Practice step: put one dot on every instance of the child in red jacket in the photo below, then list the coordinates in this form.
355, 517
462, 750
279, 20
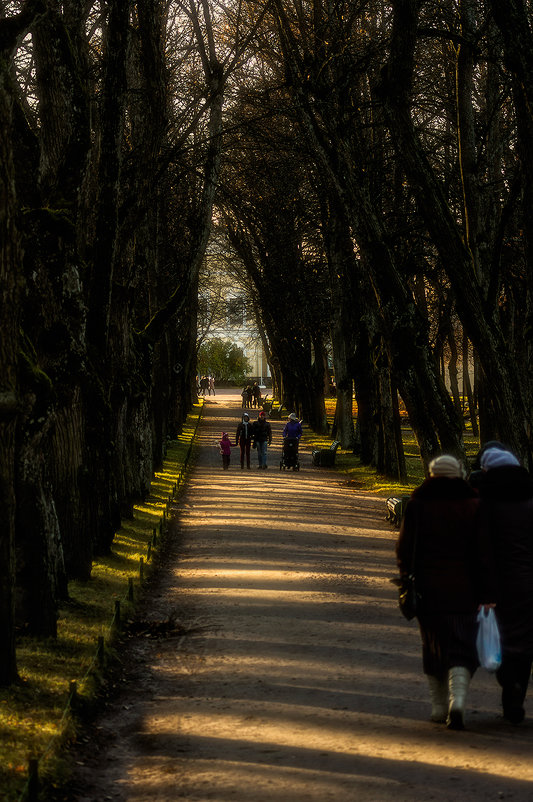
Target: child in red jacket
225, 450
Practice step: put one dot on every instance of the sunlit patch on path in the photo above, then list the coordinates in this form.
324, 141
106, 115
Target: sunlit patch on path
298, 680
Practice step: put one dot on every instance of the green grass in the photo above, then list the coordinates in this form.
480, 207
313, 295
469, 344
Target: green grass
364, 477
34, 715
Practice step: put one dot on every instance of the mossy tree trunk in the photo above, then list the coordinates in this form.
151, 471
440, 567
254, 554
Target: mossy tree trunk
55, 324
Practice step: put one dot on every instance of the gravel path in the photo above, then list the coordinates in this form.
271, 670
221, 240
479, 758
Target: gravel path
292, 675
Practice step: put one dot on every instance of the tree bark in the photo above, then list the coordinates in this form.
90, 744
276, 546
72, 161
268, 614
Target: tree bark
10, 288
342, 327
115, 45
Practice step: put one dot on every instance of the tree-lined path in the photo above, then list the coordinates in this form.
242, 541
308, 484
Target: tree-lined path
291, 674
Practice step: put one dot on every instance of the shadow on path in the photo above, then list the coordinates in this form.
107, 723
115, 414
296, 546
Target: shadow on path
299, 679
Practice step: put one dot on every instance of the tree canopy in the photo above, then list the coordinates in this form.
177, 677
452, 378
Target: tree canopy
223, 360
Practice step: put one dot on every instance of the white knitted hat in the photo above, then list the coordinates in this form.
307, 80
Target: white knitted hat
446, 465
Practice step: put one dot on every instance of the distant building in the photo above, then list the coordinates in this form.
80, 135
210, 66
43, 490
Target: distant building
233, 323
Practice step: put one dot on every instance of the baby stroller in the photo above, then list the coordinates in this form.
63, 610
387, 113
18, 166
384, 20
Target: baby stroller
289, 455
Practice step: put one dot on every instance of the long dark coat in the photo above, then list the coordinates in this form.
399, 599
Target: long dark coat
450, 568
507, 505
244, 433
262, 431
450, 550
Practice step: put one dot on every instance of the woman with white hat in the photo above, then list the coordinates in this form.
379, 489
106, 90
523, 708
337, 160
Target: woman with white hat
440, 528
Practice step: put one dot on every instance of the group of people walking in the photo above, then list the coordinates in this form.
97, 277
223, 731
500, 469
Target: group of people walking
256, 435
469, 544
205, 384
251, 396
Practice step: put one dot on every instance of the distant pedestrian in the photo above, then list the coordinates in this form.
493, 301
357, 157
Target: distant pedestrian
442, 543
249, 396
256, 394
292, 431
225, 450
506, 492
212, 385
262, 438
243, 438
293, 427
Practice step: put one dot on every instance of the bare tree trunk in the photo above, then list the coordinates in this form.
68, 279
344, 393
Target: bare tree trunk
52, 257
10, 288
115, 45
472, 410
342, 328
344, 386
453, 372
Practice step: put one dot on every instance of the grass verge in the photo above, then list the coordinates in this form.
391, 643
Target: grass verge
35, 715
364, 478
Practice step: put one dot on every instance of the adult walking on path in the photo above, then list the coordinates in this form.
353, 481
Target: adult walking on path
441, 535
507, 502
291, 674
261, 439
243, 438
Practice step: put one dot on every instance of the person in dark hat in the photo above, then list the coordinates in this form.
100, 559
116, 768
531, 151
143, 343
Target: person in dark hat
476, 474
507, 506
262, 438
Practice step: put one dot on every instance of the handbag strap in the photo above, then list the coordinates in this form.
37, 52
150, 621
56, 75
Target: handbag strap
415, 538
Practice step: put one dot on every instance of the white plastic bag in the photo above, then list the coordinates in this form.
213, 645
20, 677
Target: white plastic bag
488, 644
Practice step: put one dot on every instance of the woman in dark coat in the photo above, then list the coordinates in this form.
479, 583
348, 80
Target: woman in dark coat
442, 516
507, 503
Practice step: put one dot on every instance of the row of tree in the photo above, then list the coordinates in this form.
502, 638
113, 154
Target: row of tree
376, 195
370, 168
110, 140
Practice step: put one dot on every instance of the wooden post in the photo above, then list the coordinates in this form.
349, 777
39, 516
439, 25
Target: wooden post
149, 552
73, 693
154, 535
100, 654
130, 589
33, 779
117, 613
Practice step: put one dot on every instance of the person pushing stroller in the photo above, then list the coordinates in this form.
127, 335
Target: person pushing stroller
292, 431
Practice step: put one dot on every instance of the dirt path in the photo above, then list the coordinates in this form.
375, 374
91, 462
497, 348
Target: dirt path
297, 679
